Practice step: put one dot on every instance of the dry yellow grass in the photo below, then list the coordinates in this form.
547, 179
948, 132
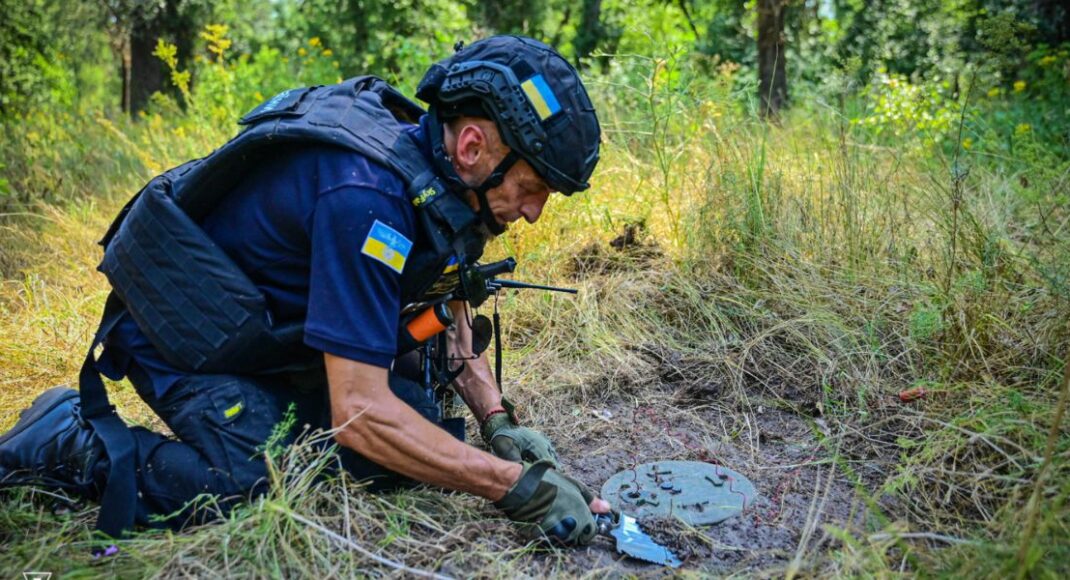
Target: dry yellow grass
51, 307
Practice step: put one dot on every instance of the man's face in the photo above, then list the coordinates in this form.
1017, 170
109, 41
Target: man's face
476, 149
522, 194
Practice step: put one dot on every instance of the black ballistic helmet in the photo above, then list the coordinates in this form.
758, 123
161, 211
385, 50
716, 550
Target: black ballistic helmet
533, 95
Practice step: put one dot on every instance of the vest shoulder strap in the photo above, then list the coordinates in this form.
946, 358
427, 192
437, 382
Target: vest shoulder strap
364, 114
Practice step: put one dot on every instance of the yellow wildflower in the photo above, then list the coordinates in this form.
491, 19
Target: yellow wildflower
301, 51
180, 132
1047, 60
335, 64
1019, 86
1022, 129
967, 143
327, 52
166, 52
314, 41
994, 92
258, 96
216, 35
181, 80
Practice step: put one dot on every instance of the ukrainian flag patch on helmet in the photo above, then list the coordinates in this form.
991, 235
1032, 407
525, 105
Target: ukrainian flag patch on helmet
541, 97
387, 245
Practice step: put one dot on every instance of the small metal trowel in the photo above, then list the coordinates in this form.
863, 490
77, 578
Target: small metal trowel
632, 541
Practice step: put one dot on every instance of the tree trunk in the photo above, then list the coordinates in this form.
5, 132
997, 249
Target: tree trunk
1054, 17
591, 31
147, 73
124, 51
514, 16
772, 72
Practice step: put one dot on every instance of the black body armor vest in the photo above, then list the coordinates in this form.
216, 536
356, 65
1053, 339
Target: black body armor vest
200, 311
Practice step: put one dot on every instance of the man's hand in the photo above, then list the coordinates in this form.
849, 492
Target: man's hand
545, 502
511, 442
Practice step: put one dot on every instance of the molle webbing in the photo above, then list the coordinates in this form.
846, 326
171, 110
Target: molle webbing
188, 294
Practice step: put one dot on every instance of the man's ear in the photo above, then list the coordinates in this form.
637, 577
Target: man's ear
471, 147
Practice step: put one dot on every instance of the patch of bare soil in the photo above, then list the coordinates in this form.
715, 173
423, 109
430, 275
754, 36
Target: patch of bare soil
630, 250
802, 484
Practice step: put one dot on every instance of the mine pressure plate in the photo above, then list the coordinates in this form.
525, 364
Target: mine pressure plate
696, 492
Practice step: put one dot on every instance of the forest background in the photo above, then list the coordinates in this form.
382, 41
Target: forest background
813, 205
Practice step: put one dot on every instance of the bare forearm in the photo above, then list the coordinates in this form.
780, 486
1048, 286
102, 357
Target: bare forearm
388, 432
478, 389
476, 383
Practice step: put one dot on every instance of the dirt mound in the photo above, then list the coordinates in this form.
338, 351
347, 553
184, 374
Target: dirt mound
631, 250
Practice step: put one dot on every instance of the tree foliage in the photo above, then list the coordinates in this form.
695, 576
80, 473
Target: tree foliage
100, 55
43, 46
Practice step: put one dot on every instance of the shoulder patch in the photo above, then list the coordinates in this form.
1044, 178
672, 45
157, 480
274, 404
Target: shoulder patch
387, 245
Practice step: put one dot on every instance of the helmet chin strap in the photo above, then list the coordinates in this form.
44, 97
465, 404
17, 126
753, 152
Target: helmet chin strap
445, 168
493, 180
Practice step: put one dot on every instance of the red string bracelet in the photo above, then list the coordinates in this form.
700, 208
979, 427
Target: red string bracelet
491, 414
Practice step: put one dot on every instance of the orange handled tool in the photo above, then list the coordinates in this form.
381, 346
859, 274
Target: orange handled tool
430, 322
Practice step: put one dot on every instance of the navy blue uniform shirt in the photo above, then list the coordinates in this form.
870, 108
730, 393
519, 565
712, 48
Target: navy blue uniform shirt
298, 225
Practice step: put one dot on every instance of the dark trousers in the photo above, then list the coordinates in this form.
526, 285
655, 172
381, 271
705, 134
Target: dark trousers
221, 424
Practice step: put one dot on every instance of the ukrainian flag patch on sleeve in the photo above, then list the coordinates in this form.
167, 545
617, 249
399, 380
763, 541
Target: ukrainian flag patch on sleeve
541, 97
387, 245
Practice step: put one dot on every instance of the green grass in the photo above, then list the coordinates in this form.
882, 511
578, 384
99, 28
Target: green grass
802, 268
